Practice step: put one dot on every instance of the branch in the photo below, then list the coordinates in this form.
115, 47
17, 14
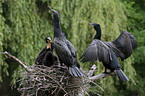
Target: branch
102, 75
91, 72
16, 59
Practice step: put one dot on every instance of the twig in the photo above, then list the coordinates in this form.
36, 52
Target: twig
97, 85
20, 62
57, 83
93, 68
54, 91
102, 75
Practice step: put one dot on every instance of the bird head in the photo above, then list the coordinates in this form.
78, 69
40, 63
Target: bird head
95, 25
54, 13
48, 41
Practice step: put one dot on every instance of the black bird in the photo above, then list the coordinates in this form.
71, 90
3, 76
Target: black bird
107, 52
46, 56
64, 48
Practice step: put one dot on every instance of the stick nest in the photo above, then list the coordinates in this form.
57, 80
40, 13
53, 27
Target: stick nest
52, 81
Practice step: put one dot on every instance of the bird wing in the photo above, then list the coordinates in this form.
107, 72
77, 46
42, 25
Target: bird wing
63, 52
72, 48
97, 50
73, 53
133, 40
123, 45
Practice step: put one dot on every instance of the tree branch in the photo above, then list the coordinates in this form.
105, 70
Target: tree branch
102, 75
16, 59
91, 72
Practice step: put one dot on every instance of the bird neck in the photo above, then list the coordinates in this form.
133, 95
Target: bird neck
98, 33
57, 28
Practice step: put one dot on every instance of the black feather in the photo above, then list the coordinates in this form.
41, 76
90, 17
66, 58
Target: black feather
121, 75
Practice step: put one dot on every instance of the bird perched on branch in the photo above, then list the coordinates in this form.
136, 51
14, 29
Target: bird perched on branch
64, 48
46, 56
107, 52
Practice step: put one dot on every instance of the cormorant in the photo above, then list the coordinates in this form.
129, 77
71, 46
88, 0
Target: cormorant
46, 56
64, 48
107, 52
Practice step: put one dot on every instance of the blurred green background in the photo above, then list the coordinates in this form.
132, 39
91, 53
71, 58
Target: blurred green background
25, 23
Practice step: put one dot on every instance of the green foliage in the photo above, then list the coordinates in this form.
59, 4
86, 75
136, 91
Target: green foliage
136, 24
3, 29
25, 24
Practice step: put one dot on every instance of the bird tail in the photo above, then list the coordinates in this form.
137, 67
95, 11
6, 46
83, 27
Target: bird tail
74, 71
121, 75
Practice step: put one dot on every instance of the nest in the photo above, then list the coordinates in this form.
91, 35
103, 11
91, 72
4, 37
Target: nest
40, 80
52, 81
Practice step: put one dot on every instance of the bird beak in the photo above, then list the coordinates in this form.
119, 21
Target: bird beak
90, 23
51, 11
49, 8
